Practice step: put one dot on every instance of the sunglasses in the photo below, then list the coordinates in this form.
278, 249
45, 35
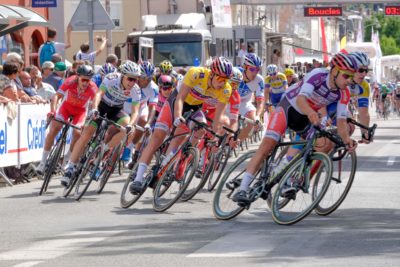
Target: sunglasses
130, 79
253, 69
85, 80
362, 70
346, 75
166, 88
220, 78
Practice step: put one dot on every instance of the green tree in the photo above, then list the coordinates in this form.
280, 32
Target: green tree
389, 46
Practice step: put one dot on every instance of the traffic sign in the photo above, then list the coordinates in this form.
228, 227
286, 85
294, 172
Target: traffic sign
91, 13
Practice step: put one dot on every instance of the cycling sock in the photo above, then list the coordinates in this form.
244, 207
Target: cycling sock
44, 156
247, 178
140, 171
131, 146
70, 165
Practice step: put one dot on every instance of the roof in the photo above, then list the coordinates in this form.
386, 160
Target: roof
25, 17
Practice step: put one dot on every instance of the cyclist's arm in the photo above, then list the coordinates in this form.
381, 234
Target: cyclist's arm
180, 98
96, 101
54, 101
303, 105
152, 113
219, 111
134, 113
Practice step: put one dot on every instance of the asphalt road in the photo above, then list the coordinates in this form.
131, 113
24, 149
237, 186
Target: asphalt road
50, 230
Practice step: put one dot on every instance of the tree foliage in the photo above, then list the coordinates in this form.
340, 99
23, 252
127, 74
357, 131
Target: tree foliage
389, 32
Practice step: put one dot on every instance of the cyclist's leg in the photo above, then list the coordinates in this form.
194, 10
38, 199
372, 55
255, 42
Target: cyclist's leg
81, 143
249, 111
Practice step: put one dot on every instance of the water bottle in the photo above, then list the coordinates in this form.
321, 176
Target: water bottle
97, 174
168, 157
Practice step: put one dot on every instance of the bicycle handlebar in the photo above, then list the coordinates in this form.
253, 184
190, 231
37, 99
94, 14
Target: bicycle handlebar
371, 130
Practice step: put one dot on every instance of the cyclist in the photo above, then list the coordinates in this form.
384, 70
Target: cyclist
298, 109
166, 86
148, 102
115, 89
396, 95
253, 83
76, 92
275, 84
165, 68
198, 85
291, 76
383, 96
103, 71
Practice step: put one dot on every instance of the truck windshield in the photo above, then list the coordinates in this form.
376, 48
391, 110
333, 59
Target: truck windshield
180, 54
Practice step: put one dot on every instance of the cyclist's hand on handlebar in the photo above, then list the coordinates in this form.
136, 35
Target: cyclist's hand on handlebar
93, 114
365, 138
314, 118
351, 145
233, 143
178, 121
128, 128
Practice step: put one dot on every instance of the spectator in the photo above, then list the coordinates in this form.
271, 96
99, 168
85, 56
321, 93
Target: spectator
29, 89
47, 69
8, 89
56, 78
72, 71
51, 46
113, 59
241, 53
56, 58
45, 90
17, 59
84, 53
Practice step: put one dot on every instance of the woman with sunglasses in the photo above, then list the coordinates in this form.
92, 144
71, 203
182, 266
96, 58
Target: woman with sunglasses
166, 86
199, 84
299, 107
76, 92
115, 89
275, 85
252, 84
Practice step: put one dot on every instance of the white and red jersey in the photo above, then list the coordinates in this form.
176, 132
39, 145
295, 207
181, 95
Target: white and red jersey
315, 87
74, 98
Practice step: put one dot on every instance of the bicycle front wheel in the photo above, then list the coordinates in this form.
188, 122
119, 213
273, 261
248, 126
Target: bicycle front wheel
342, 179
89, 169
224, 207
221, 160
295, 186
172, 183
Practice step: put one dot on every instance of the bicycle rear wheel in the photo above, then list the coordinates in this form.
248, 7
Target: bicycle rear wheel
302, 202
109, 168
51, 164
342, 179
89, 169
224, 207
220, 162
172, 184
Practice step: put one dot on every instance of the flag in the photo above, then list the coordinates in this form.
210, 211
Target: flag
360, 38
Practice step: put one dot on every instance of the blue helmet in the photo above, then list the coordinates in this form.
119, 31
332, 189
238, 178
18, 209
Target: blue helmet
147, 69
106, 69
252, 60
361, 59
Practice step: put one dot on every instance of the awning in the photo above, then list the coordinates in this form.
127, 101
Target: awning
24, 17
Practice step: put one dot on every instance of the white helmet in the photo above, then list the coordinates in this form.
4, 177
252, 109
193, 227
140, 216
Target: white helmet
130, 69
272, 69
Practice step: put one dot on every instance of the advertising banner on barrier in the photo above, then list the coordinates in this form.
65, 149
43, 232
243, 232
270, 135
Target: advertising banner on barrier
8, 139
32, 131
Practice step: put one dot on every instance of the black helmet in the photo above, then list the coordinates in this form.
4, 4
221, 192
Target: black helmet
85, 70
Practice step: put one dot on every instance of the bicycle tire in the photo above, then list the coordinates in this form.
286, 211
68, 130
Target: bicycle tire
85, 169
219, 195
186, 196
221, 160
191, 154
324, 209
52, 162
109, 169
283, 215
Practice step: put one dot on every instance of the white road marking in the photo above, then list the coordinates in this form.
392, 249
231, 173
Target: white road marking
391, 160
50, 249
28, 264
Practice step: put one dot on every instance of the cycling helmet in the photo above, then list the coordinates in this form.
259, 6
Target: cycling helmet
180, 77
147, 69
272, 69
289, 72
361, 59
165, 81
222, 67
130, 69
237, 75
106, 69
85, 70
165, 67
252, 60
343, 62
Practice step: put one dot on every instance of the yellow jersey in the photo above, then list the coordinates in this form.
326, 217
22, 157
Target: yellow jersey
276, 85
362, 91
197, 80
